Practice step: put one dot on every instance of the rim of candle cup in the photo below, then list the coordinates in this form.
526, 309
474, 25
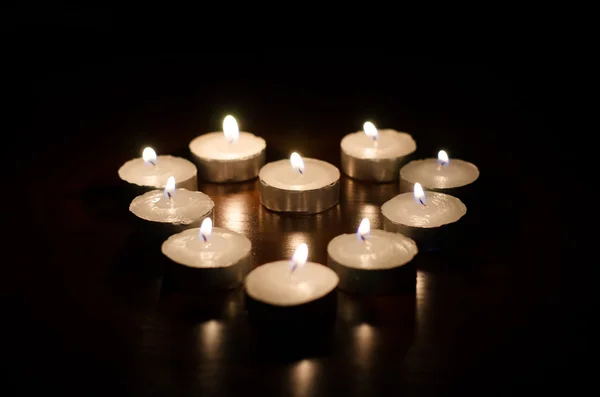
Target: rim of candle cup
396, 236
180, 181
423, 182
196, 192
461, 206
381, 131
305, 159
215, 230
249, 277
197, 141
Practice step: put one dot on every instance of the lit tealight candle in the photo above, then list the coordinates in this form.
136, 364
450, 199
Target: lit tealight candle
151, 171
299, 185
292, 284
422, 216
375, 155
171, 210
229, 155
442, 175
208, 258
373, 261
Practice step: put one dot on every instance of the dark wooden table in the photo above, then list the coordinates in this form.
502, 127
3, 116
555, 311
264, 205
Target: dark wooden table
86, 317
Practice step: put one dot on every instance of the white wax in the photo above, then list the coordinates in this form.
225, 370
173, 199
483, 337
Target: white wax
381, 250
224, 248
441, 209
275, 284
140, 173
391, 144
185, 207
317, 174
214, 146
433, 176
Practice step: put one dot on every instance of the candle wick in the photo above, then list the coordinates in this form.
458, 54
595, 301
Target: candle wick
363, 238
204, 238
170, 197
421, 201
300, 170
152, 162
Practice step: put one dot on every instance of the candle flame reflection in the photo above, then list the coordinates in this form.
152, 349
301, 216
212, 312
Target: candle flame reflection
206, 229
364, 229
371, 131
297, 162
303, 375
170, 187
149, 156
443, 158
364, 335
231, 129
211, 338
419, 194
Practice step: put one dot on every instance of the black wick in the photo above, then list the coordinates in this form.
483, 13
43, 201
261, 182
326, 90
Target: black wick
152, 162
204, 238
169, 194
421, 201
300, 170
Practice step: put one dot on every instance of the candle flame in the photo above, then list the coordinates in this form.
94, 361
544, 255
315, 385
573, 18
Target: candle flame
149, 156
300, 256
364, 229
230, 129
371, 131
170, 187
443, 158
419, 194
297, 162
206, 229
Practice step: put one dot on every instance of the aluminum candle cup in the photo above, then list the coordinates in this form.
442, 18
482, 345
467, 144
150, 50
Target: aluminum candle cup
163, 213
375, 156
152, 172
228, 156
299, 185
291, 292
443, 175
373, 261
207, 258
429, 219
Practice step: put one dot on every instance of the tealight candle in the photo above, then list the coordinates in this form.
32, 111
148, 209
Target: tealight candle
296, 284
422, 217
208, 258
373, 261
230, 155
299, 185
375, 155
442, 175
172, 210
152, 172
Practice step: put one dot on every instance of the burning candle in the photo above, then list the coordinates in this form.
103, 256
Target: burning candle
228, 155
373, 261
299, 185
208, 258
171, 210
422, 216
441, 175
375, 155
291, 283
152, 172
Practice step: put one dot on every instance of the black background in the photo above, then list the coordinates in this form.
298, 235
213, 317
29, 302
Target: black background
82, 97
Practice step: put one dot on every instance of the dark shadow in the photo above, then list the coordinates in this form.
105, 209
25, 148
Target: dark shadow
189, 306
292, 333
219, 189
365, 192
